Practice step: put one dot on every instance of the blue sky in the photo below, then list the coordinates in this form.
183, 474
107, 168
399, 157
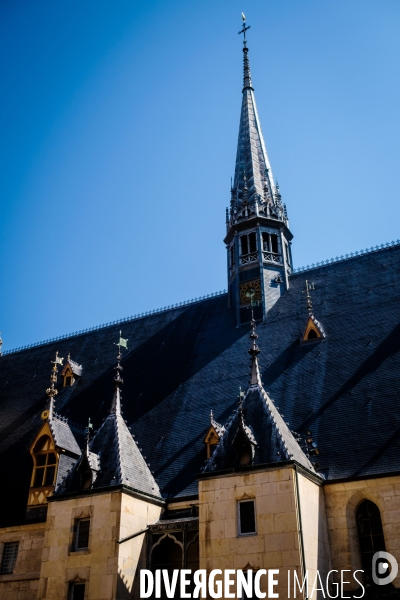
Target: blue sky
119, 125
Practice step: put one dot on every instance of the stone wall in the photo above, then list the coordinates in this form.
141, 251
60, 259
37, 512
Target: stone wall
106, 565
342, 500
132, 554
276, 545
23, 583
315, 532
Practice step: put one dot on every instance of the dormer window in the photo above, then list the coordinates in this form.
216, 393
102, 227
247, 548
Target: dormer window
313, 331
211, 440
213, 436
71, 372
45, 460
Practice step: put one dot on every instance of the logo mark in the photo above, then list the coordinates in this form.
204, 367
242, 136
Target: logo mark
380, 566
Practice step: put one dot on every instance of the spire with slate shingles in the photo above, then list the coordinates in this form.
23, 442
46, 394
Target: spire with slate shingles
251, 158
258, 236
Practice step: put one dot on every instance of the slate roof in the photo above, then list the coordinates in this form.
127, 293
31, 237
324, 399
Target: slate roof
184, 362
265, 429
62, 435
251, 156
117, 459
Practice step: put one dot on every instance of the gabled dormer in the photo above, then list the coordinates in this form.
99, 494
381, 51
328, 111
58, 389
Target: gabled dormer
213, 435
256, 434
71, 372
54, 451
314, 330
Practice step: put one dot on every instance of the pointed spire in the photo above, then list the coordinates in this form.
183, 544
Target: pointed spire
254, 351
251, 153
116, 401
51, 391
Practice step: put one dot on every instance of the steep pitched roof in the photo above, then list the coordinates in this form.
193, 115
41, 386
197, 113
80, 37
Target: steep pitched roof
258, 421
252, 167
113, 455
191, 359
62, 434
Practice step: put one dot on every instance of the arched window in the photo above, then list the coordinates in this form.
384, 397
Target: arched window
312, 335
167, 553
370, 535
45, 461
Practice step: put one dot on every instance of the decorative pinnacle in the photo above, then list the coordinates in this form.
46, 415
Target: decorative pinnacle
116, 403
309, 286
1, 343
254, 351
88, 431
51, 391
246, 64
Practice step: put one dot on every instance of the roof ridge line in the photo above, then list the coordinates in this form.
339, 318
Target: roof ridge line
148, 313
342, 258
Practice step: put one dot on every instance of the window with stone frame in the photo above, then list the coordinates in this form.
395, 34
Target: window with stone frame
81, 539
370, 535
77, 591
246, 511
9, 558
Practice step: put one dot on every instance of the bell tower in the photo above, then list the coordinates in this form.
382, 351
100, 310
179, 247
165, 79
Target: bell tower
258, 239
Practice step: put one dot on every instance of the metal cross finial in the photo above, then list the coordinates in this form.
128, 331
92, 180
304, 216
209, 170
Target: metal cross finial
245, 28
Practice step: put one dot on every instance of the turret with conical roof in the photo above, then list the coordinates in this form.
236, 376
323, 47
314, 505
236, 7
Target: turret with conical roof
112, 458
258, 236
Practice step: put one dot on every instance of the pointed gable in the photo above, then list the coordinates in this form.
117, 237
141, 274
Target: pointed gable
270, 437
256, 433
313, 330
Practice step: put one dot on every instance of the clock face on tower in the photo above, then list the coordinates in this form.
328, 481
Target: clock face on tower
250, 292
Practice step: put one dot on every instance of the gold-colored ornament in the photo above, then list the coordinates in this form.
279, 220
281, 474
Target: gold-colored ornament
250, 292
45, 415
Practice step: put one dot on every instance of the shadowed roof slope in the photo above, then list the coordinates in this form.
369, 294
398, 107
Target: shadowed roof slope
189, 360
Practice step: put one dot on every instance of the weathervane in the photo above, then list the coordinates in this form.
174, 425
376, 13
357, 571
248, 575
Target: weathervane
245, 28
122, 343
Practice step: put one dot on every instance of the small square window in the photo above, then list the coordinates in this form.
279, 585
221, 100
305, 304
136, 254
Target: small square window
82, 534
246, 517
9, 558
77, 591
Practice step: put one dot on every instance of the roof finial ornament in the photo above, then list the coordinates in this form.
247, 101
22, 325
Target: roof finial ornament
309, 286
51, 391
116, 403
88, 434
1, 344
246, 65
254, 351
244, 29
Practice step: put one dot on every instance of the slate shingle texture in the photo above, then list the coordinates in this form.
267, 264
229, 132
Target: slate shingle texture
186, 361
